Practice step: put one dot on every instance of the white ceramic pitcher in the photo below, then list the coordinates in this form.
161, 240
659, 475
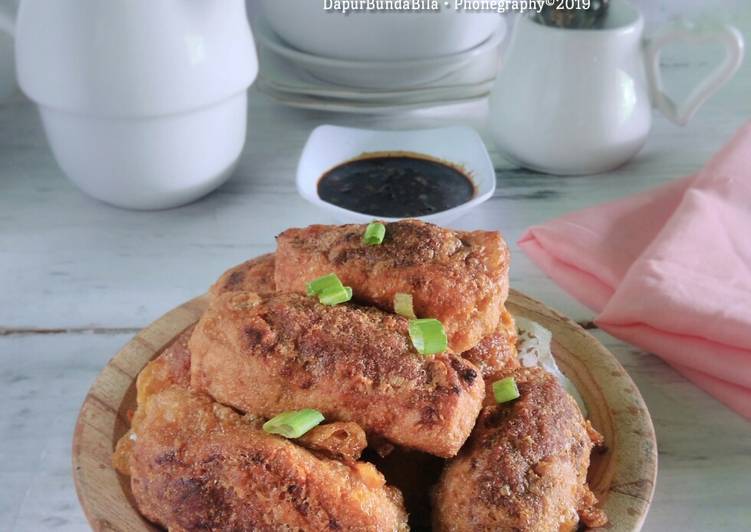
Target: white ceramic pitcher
143, 101
578, 101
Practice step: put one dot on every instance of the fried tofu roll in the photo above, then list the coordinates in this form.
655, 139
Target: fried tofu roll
523, 468
254, 275
170, 368
457, 277
340, 440
268, 354
198, 465
496, 353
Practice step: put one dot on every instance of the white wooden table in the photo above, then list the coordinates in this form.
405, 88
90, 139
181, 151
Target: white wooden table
77, 278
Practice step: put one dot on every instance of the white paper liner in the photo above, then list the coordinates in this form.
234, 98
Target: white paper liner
534, 350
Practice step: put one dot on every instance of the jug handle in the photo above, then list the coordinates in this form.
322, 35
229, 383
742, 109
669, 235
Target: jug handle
7, 23
682, 30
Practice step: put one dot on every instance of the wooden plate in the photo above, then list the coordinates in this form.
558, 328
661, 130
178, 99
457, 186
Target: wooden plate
622, 477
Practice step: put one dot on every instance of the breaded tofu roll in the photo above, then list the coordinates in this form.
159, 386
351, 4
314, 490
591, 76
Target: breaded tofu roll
457, 277
269, 354
198, 465
170, 368
496, 354
254, 275
523, 468
340, 440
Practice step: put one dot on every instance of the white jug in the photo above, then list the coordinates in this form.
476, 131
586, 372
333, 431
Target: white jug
578, 101
143, 101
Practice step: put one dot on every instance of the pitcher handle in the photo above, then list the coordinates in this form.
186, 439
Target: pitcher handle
7, 23
732, 41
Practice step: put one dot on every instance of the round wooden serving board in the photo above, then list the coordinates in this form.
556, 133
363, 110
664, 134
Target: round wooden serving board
622, 476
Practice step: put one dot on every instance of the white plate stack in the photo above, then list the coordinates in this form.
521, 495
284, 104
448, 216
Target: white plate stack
375, 62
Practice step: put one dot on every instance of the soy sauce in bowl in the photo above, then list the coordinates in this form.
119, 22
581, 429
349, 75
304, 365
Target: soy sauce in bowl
396, 185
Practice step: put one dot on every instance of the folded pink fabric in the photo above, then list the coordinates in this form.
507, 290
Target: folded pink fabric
669, 270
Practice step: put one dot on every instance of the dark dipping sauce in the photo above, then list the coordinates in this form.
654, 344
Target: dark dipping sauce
395, 186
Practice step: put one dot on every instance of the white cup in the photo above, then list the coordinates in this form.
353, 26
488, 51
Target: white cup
578, 101
143, 102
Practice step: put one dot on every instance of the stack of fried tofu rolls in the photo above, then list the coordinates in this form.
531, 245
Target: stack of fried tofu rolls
202, 452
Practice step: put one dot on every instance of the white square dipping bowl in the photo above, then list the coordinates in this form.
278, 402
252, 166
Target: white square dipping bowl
330, 146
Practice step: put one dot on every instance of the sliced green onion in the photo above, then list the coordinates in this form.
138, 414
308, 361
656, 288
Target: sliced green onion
374, 234
329, 289
505, 390
317, 286
293, 424
428, 336
335, 295
403, 305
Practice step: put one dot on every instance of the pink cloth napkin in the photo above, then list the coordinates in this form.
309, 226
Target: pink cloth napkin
669, 270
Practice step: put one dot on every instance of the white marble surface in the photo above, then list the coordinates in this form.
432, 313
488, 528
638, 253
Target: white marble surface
77, 278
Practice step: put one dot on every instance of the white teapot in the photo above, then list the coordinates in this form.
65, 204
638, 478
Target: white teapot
579, 101
143, 101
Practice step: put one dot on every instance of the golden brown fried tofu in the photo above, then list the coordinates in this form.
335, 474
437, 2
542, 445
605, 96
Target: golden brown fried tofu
496, 354
524, 467
269, 354
198, 465
170, 368
339, 440
254, 275
342, 440
457, 277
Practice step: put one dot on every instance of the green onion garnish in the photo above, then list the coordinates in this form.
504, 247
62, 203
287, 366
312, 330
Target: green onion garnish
505, 390
428, 336
318, 286
329, 289
293, 424
374, 233
403, 305
335, 295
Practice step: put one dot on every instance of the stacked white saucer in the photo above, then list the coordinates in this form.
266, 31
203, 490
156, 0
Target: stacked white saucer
313, 59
